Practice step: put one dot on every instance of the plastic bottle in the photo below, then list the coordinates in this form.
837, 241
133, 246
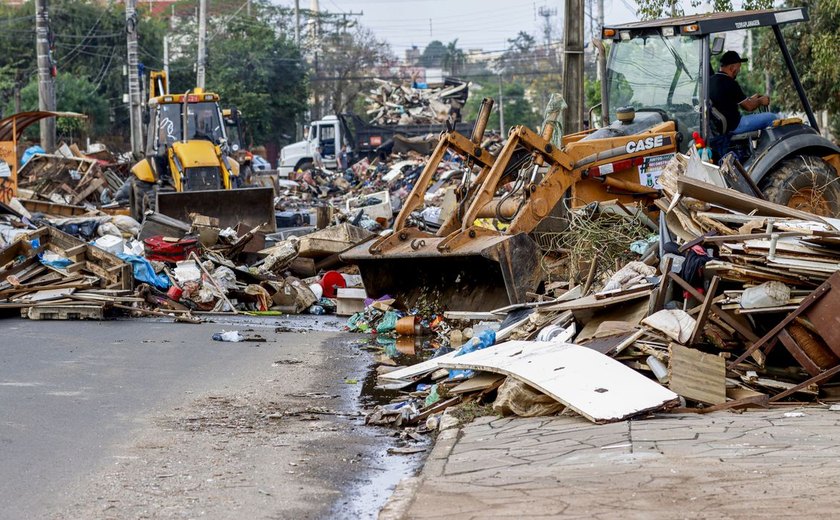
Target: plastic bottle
659, 369
317, 310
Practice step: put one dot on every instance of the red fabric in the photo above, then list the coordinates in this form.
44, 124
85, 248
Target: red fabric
160, 250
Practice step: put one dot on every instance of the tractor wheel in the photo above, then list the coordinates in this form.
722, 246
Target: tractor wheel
806, 183
142, 198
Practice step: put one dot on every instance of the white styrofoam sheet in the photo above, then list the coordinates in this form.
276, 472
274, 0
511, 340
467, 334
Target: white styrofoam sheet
590, 383
408, 373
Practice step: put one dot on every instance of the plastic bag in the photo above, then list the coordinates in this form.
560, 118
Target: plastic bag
144, 272
517, 398
485, 338
231, 336
388, 323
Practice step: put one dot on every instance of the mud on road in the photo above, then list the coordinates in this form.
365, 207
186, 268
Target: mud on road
287, 442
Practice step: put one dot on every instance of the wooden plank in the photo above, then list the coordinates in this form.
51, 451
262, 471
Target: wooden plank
798, 354
734, 200
592, 384
478, 383
697, 375
591, 302
801, 387
697, 333
818, 293
417, 370
65, 312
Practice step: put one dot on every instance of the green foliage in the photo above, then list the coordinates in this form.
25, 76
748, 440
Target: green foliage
814, 46
72, 94
518, 109
259, 71
433, 54
653, 9
453, 59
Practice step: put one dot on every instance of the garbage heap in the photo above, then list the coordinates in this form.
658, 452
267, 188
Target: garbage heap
727, 301
392, 103
94, 266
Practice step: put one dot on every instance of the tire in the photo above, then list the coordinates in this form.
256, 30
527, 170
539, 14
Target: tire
142, 198
305, 165
806, 183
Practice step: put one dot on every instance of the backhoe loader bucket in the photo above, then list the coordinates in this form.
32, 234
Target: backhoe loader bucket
489, 273
249, 206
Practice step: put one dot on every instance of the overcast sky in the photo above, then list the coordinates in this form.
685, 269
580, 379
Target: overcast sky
485, 24
477, 24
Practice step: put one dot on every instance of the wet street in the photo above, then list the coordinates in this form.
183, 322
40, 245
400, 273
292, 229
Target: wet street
138, 419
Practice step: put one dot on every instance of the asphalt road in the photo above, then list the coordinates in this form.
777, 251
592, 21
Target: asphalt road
78, 401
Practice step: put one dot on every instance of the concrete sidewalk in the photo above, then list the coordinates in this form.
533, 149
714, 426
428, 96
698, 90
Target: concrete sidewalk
759, 464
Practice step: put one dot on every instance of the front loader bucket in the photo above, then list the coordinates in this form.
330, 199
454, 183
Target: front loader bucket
487, 273
250, 206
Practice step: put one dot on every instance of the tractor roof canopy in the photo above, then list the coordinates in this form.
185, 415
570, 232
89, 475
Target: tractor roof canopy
708, 23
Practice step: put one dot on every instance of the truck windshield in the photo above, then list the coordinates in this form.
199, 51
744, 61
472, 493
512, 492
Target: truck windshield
203, 122
659, 73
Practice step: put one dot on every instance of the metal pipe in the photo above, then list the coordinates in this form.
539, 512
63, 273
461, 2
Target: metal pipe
627, 186
481, 120
795, 77
706, 67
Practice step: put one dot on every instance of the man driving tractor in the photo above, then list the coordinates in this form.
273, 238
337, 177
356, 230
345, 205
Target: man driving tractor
727, 97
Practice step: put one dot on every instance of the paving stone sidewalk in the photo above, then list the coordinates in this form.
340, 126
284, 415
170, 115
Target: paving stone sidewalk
758, 464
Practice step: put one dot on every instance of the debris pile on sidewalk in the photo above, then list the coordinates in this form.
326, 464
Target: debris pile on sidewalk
395, 104
71, 177
728, 302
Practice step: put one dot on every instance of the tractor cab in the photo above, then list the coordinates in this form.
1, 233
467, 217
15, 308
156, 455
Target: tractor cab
663, 67
660, 70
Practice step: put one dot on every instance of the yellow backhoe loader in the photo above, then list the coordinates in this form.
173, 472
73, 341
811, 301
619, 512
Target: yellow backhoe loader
657, 83
188, 166
473, 267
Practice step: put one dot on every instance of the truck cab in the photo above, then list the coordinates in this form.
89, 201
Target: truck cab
327, 134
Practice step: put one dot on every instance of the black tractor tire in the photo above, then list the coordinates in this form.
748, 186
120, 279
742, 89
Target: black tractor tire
804, 182
246, 174
305, 165
141, 198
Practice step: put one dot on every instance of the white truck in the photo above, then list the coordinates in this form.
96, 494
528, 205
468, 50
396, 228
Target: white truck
363, 140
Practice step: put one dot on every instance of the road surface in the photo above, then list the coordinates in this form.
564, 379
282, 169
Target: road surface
146, 419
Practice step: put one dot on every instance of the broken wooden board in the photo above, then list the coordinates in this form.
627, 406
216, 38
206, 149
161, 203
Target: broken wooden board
591, 302
734, 200
478, 383
64, 312
420, 369
592, 384
697, 375
332, 240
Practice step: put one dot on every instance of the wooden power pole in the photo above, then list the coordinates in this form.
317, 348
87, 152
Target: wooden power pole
46, 81
573, 66
134, 103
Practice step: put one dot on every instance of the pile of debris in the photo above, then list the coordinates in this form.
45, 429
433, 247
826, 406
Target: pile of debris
729, 305
72, 177
167, 267
392, 103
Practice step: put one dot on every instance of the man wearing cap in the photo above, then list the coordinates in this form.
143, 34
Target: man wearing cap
727, 97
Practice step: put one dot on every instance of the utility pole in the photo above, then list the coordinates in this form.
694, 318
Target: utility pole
501, 109
599, 35
134, 108
202, 42
573, 66
46, 81
166, 60
297, 23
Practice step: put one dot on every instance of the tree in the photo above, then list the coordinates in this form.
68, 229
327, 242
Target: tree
454, 58
260, 72
344, 63
73, 94
814, 47
518, 110
433, 54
